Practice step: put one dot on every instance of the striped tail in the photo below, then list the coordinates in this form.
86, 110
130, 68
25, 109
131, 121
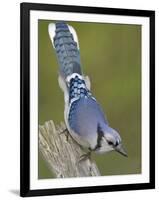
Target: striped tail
65, 42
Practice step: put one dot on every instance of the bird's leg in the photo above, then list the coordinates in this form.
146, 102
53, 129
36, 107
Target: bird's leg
65, 132
85, 156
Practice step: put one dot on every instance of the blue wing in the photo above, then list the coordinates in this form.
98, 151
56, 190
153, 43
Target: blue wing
84, 116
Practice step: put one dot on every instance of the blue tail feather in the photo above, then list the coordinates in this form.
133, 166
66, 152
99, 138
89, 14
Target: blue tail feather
66, 49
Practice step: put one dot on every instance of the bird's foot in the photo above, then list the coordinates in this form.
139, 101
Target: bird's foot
84, 157
65, 132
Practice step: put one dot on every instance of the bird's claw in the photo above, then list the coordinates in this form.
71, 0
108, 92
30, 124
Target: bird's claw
84, 157
64, 132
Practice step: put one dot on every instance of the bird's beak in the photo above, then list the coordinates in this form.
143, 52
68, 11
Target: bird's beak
120, 149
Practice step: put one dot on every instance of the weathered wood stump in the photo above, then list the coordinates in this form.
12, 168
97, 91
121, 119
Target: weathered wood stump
62, 153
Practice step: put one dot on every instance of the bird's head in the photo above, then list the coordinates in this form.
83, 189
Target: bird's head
109, 140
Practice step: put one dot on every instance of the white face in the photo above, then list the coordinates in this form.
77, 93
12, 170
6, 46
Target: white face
105, 147
111, 142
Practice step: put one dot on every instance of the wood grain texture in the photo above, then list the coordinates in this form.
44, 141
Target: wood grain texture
63, 154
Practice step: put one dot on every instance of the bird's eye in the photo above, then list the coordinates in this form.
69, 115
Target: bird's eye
110, 143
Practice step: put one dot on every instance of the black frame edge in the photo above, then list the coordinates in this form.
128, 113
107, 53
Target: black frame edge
92, 189
24, 102
87, 9
152, 98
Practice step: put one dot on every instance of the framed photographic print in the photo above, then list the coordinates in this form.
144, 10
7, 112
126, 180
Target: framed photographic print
87, 99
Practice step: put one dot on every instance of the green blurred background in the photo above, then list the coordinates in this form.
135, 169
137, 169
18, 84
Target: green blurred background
111, 56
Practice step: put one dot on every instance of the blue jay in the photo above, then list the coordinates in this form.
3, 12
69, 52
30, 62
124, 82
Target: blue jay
83, 115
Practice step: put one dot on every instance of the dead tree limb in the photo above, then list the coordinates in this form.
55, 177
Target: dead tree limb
63, 154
